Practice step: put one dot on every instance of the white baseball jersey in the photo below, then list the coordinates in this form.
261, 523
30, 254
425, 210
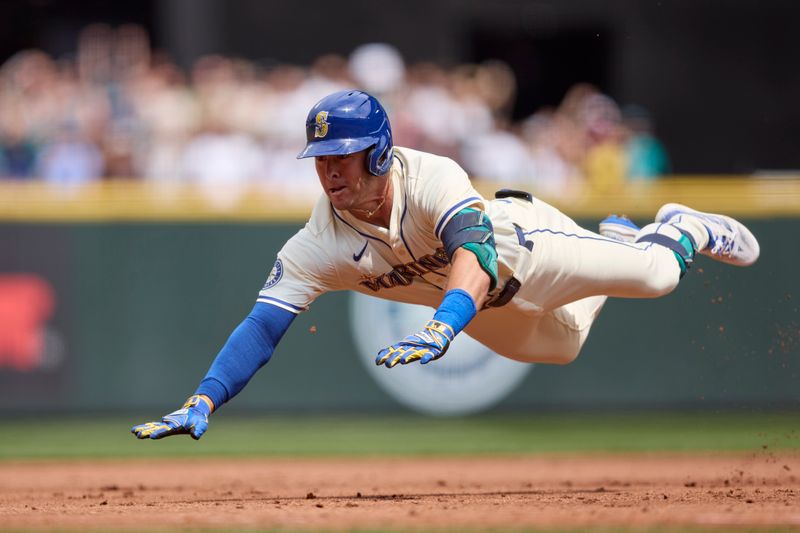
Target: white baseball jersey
565, 271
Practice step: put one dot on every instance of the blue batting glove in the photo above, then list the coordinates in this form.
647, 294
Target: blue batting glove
192, 418
429, 344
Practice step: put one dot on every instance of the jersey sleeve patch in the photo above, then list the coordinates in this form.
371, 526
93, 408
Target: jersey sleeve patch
275, 275
302, 271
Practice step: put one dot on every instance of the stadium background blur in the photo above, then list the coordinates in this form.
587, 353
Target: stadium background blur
550, 95
148, 176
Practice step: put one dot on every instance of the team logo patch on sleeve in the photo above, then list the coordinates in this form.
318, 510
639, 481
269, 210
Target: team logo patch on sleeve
274, 276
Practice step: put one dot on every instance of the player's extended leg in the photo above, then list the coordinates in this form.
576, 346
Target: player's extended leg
569, 263
582, 267
565, 284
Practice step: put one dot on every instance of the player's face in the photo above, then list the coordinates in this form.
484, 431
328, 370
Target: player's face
345, 179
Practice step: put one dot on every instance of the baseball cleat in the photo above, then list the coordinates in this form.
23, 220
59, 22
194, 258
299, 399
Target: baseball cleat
729, 241
619, 228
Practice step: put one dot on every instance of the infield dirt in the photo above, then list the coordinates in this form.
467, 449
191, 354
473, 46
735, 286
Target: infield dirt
761, 489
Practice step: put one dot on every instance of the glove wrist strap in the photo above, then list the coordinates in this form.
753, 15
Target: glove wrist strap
200, 402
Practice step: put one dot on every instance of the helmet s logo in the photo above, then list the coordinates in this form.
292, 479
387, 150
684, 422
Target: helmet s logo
321, 129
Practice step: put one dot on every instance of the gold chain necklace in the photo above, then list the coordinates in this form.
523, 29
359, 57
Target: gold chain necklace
369, 213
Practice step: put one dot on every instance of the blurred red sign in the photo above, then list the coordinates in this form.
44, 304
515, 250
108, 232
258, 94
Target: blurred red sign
27, 301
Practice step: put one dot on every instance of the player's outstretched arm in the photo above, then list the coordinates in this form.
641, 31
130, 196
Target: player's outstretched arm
192, 418
468, 239
249, 347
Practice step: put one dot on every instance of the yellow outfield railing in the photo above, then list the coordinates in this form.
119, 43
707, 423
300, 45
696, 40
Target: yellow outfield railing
129, 200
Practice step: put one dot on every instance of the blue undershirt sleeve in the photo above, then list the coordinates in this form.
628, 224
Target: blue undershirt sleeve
249, 347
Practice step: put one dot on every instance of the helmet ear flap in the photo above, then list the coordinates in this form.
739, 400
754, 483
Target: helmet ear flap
379, 162
379, 158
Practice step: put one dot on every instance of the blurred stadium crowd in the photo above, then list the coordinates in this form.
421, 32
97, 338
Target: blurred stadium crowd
119, 110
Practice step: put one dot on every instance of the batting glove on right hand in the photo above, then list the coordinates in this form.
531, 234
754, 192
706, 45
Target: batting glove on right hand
192, 418
427, 345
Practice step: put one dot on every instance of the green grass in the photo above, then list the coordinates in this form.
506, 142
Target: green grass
406, 435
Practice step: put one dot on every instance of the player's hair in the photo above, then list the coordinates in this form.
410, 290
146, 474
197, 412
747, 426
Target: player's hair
347, 122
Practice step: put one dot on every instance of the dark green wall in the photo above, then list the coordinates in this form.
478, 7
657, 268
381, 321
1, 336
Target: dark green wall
143, 309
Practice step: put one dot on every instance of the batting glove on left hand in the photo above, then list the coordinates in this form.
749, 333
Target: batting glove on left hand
192, 418
429, 344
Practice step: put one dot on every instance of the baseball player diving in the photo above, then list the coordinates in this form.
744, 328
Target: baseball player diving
513, 272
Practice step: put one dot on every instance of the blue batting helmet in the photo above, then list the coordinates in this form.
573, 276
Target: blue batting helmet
347, 122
